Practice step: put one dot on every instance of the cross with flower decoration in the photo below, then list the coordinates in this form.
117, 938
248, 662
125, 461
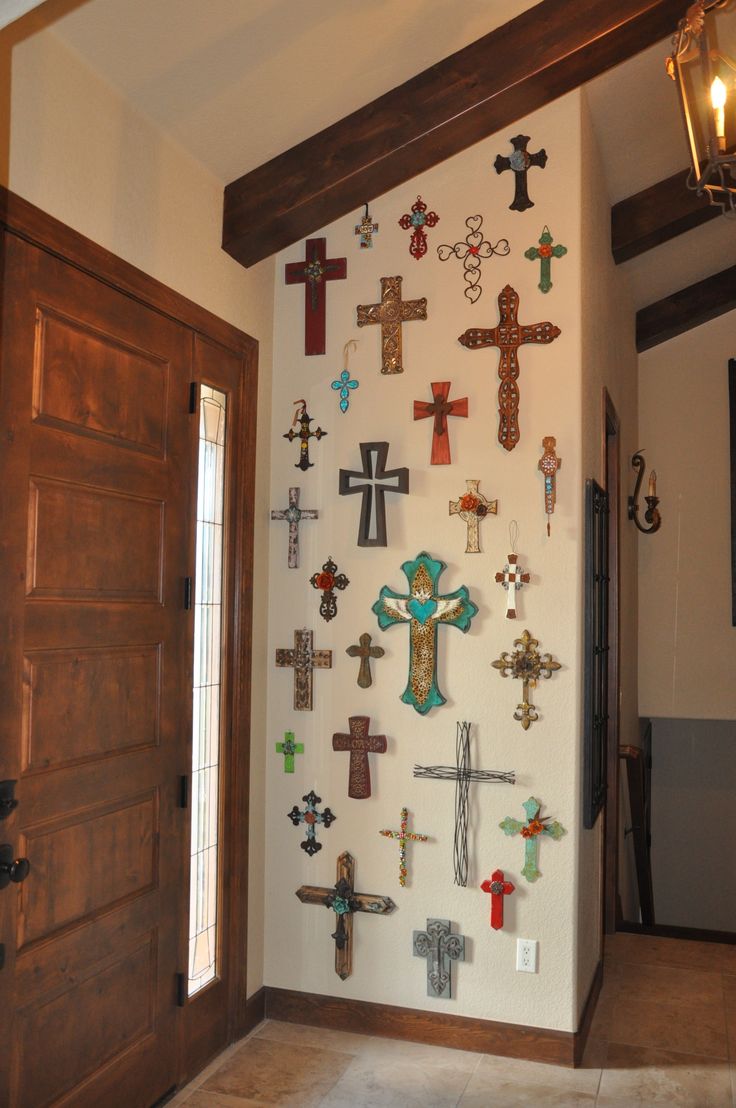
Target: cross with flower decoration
530, 832
403, 837
472, 507
326, 582
498, 889
416, 220
289, 748
545, 252
311, 817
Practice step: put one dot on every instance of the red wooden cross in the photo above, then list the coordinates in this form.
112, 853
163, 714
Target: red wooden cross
440, 409
508, 336
312, 273
498, 888
360, 744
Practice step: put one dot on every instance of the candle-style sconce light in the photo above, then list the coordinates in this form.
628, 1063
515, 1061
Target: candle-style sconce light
651, 515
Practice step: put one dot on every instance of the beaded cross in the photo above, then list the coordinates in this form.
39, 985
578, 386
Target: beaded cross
404, 837
530, 830
311, 817
416, 220
548, 464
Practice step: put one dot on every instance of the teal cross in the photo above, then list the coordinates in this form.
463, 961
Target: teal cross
289, 748
530, 831
424, 610
344, 384
545, 252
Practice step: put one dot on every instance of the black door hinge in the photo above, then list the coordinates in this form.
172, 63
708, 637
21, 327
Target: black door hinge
193, 398
181, 989
2, 955
187, 594
184, 791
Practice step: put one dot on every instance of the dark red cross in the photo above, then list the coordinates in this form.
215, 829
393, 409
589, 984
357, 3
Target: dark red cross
498, 888
440, 408
417, 220
360, 744
312, 273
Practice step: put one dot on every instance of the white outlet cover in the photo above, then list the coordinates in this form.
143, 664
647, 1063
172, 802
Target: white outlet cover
527, 955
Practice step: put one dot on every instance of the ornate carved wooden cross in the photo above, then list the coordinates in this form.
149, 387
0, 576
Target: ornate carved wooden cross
472, 507
311, 817
424, 610
313, 272
344, 902
520, 162
294, 515
391, 313
416, 220
498, 888
374, 482
440, 408
360, 744
441, 949
304, 658
512, 577
404, 837
289, 748
304, 434
365, 652
508, 336
545, 252
526, 664
530, 830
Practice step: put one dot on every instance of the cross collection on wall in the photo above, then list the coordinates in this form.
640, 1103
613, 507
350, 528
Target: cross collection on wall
423, 606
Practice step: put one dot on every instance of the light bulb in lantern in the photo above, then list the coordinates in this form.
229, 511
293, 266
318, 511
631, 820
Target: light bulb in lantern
718, 100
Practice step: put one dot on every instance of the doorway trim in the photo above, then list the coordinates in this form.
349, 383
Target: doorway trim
611, 473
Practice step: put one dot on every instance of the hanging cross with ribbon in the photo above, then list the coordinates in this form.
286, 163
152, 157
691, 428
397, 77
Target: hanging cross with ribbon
304, 434
365, 652
440, 408
512, 576
526, 664
373, 482
530, 830
545, 252
404, 837
498, 888
313, 272
391, 313
472, 507
304, 659
289, 748
520, 162
293, 516
311, 817
360, 744
441, 949
416, 220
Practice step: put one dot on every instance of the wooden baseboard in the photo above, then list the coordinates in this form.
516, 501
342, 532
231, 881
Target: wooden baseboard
671, 931
581, 1035
255, 1011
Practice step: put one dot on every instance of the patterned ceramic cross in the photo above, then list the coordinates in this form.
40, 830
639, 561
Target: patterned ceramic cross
293, 516
404, 837
441, 949
326, 582
313, 272
440, 408
360, 744
311, 817
303, 658
373, 483
512, 577
472, 507
545, 252
304, 434
391, 313
289, 748
526, 664
520, 162
498, 888
530, 830
365, 652
416, 220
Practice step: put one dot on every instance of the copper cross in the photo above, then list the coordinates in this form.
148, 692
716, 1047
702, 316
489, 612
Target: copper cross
360, 744
304, 658
520, 161
440, 408
391, 313
365, 652
312, 273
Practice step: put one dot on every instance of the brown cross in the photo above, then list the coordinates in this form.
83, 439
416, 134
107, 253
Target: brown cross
360, 744
508, 336
391, 313
312, 273
365, 652
440, 408
520, 161
304, 658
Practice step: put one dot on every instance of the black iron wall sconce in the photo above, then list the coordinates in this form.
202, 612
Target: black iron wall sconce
651, 515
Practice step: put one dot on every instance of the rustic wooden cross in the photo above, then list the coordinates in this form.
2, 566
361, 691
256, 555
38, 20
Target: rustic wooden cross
440, 408
344, 902
416, 220
374, 482
312, 273
520, 162
472, 507
441, 949
548, 464
498, 888
512, 577
526, 664
391, 313
462, 775
289, 748
311, 817
545, 252
294, 515
360, 744
304, 434
404, 837
424, 610
530, 830
365, 652
508, 336
303, 658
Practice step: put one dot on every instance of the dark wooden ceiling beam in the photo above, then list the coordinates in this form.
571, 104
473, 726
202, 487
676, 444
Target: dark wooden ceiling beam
543, 53
686, 309
655, 215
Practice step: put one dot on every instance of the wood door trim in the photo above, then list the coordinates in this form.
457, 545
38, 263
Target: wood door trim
612, 481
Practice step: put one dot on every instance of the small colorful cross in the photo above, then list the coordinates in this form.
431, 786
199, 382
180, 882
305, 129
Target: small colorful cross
472, 507
513, 578
311, 817
548, 464
304, 434
327, 581
440, 409
530, 832
404, 837
289, 748
417, 220
365, 652
498, 888
366, 229
545, 252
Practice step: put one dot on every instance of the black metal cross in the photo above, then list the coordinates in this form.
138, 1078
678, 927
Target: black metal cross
375, 481
304, 434
520, 161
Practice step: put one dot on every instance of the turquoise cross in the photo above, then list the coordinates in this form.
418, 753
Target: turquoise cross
545, 252
530, 831
344, 384
424, 610
289, 748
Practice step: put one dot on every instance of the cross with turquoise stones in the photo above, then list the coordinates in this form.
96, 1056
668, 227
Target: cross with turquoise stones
289, 748
545, 252
530, 831
424, 610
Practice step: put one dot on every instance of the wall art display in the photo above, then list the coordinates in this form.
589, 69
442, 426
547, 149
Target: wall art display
303, 659
312, 818
293, 516
313, 273
363, 650
441, 948
416, 220
403, 836
423, 609
391, 313
520, 162
289, 748
360, 744
326, 582
366, 229
471, 253
531, 829
344, 902
373, 483
508, 336
498, 888
304, 434
462, 775
526, 664
440, 408
344, 383
472, 507
548, 464
545, 252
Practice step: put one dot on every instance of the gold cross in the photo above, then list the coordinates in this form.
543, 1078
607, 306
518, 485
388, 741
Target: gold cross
391, 313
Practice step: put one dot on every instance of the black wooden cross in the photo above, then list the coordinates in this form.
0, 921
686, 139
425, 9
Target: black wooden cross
304, 434
520, 161
312, 273
373, 485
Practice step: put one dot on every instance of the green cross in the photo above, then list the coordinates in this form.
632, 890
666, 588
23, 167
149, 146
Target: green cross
289, 748
545, 252
534, 827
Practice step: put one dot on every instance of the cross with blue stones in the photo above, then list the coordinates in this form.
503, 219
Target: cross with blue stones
311, 817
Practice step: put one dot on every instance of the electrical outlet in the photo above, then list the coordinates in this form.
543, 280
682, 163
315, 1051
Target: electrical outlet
527, 955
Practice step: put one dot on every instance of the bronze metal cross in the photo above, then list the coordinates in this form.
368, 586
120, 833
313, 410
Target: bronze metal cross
440, 408
304, 658
527, 665
391, 313
360, 744
520, 161
365, 652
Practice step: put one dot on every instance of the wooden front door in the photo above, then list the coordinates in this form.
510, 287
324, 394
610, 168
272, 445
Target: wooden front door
95, 696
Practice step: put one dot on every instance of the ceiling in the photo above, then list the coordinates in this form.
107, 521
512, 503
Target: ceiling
237, 82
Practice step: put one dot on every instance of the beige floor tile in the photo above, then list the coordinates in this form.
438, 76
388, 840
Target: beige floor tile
399, 1081
695, 1027
343, 1041
623, 947
278, 1073
670, 984
202, 1098
508, 1082
635, 1077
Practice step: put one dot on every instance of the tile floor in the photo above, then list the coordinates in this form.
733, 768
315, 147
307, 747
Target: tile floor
664, 1033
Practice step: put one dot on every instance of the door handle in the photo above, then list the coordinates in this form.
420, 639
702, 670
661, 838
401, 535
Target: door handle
12, 869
